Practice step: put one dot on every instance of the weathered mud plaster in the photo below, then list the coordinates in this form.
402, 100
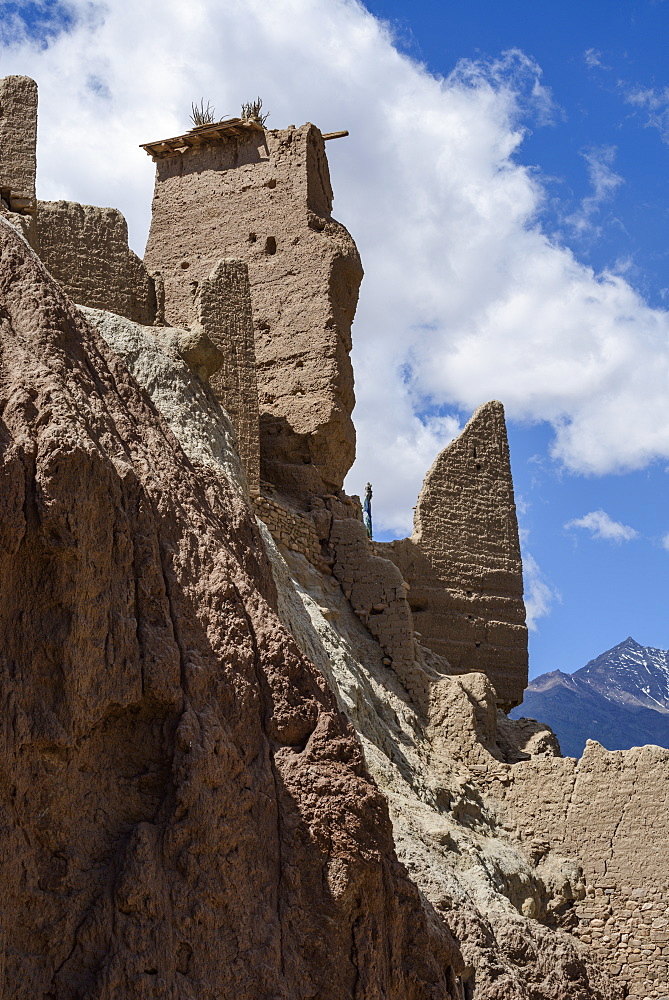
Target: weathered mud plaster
18, 153
463, 561
86, 250
266, 198
223, 312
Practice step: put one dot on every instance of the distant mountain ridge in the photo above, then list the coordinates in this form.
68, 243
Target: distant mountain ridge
620, 699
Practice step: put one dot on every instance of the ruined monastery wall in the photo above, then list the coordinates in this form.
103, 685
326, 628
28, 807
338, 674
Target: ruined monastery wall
463, 562
18, 152
223, 313
265, 198
85, 248
610, 811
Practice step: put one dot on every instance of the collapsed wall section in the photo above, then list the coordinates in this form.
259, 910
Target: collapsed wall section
85, 249
18, 152
265, 197
463, 562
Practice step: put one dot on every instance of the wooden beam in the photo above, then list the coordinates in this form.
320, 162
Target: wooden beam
334, 135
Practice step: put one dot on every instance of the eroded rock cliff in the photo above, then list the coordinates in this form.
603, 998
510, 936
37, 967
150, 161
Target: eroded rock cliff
186, 812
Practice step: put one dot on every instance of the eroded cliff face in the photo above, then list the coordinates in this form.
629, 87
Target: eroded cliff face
186, 813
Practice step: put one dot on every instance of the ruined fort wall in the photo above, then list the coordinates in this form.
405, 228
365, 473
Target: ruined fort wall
463, 562
265, 198
18, 151
85, 249
610, 811
223, 311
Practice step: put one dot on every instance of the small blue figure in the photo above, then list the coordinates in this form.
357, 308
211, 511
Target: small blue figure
367, 509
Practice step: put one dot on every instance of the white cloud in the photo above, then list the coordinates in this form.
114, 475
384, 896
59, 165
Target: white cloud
601, 525
465, 299
593, 59
655, 102
540, 595
665, 541
604, 182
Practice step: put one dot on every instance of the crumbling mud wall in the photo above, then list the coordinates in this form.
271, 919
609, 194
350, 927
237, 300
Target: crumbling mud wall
18, 153
223, 313
265, 198
463, 562
86, 250
610, 811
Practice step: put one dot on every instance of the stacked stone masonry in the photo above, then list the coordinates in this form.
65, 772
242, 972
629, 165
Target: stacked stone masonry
291, 531
266, 198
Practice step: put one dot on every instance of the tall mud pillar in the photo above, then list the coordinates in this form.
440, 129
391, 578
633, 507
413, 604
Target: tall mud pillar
18, 153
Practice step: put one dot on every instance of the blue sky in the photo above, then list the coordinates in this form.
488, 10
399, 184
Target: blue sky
505, 180
606, 66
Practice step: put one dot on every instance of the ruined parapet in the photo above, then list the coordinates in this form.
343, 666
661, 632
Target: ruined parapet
18, 152
463, 560
265, 197
85, 248
223, 311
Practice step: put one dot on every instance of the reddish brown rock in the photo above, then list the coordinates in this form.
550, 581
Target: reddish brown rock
185, 812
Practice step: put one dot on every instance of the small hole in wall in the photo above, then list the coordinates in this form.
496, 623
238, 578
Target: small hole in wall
252, 237
477, 644
185, 264
469, 593
478, 467
418, 606
270, 245
271, 183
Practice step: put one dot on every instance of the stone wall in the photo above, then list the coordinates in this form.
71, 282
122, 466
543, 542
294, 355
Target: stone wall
18, 150
266, 198
291, 531
463, 562
610, 811
85, 248
224, 313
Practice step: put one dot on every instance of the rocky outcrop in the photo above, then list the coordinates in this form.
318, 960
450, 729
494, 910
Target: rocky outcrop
184, 807
264, 197
85, 248
504, 905
463, 562
18, 157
